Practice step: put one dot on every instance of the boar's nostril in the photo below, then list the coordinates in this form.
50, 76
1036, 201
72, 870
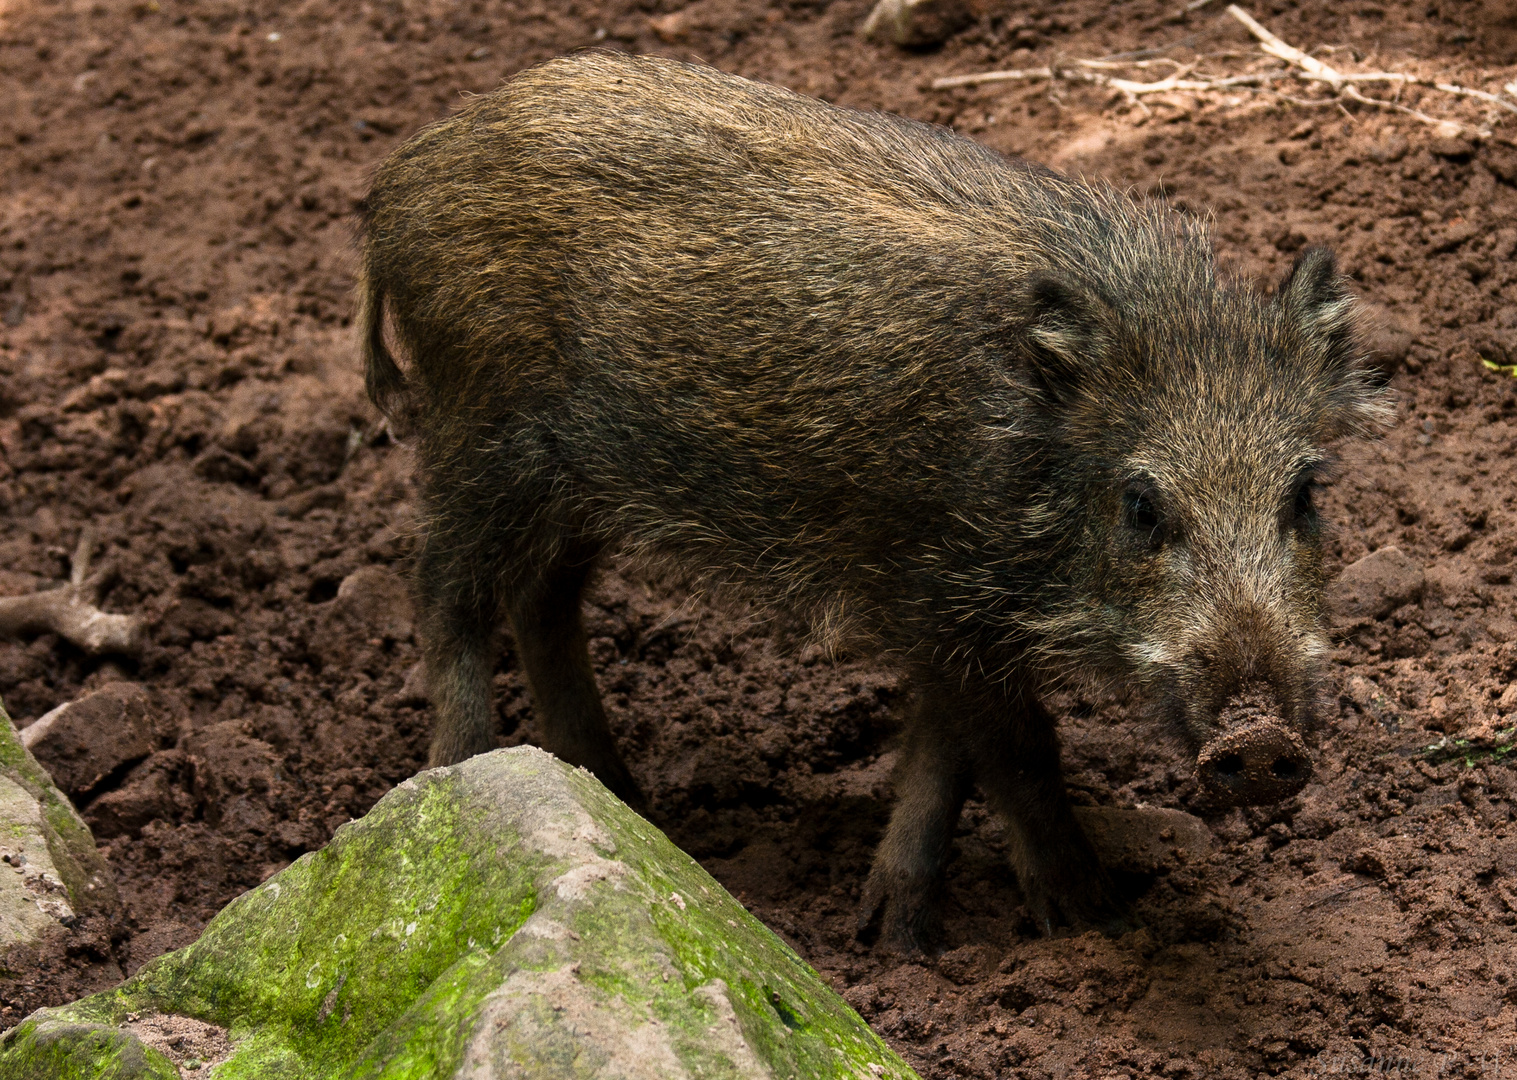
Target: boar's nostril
1286, 768
1229, 765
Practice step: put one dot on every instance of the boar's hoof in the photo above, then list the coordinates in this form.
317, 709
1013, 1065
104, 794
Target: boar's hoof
1094, 906
1258, 763
900, 913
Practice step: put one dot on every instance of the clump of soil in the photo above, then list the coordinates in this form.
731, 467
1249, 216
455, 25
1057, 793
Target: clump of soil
176, 371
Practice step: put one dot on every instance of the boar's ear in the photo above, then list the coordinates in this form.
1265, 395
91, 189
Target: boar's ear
1315, 299
1066, 330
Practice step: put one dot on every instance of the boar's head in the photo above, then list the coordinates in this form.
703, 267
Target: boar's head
1196, 431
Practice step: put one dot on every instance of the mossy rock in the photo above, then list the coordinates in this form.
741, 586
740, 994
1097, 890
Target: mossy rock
507, 917
51, 870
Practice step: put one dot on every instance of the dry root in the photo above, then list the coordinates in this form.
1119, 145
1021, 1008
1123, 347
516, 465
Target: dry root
1341, 86
70, 611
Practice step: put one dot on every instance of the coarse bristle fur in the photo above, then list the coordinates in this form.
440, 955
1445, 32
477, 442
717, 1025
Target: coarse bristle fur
995, 422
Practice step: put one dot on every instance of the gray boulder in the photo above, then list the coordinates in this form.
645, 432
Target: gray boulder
506, 917
50, 872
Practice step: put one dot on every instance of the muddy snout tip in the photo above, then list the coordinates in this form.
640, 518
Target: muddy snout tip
1261, 762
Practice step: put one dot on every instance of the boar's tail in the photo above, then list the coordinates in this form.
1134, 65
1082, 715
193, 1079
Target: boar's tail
382, 377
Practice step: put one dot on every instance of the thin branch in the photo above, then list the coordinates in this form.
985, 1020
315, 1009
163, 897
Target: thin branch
1353, 94
84, 551
1339, 895
947, 82
1289, 53
1122, 65
1303, 68
1305, 103
1317, 71
1142, 54
70, 612
1172, 82
1464, 91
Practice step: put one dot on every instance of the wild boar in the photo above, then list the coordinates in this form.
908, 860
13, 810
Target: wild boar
1006, 427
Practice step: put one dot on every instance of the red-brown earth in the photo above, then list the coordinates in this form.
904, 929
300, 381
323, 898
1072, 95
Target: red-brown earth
177, 371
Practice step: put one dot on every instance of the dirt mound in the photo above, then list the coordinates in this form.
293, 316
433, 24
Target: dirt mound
176, 371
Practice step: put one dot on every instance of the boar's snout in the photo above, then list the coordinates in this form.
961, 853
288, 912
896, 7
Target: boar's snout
1256, 758
1256, 764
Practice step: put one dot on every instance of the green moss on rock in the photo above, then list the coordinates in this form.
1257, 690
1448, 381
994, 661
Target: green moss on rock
503, 917
68, 843
65, 1051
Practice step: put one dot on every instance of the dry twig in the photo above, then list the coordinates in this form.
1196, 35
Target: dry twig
1303, 68
70, 610
1339, 895
1289, 53
1315, 70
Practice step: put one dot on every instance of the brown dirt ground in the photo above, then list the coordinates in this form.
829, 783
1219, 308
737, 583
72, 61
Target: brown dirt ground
176, 369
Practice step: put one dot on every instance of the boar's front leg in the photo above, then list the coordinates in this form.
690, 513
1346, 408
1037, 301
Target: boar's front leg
1007, 745
1016, 758
932, 779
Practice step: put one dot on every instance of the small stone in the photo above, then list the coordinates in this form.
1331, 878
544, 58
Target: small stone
714, 17
85, 741
1145, 839
916, 23
1455, 235
1388, 338
373, 601
671, 28
1445, 715
1361, 691
413, 689
1370, 861
1372, 701
1375, 586
1390, 149
1448, 143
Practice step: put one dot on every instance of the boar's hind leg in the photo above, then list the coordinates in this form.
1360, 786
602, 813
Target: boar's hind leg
931, 783
550, 640
458, 603
1017, 767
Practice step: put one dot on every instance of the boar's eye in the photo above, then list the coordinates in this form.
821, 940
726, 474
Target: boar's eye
1141, 514
1305, 508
